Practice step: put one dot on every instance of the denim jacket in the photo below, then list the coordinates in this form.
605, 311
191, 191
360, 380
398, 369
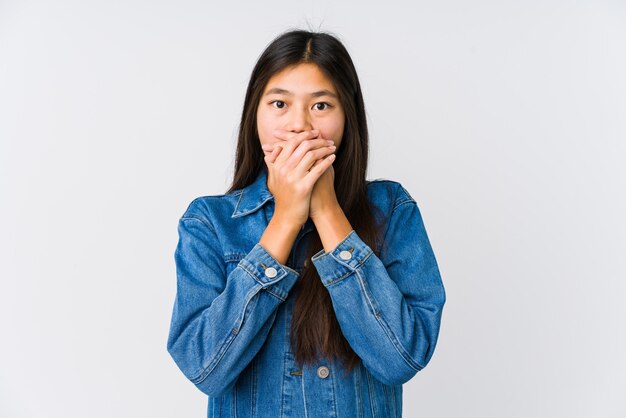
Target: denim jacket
229, 331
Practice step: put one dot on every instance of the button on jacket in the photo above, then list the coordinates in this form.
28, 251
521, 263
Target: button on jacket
229, 331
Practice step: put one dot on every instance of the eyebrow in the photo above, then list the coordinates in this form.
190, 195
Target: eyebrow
278, 90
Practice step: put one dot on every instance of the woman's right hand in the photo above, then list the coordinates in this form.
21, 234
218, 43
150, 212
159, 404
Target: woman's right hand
294, 165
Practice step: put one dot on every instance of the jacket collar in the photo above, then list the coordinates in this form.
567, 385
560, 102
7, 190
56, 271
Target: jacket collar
253, 196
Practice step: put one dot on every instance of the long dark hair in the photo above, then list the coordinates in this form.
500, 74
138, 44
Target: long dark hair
315, 331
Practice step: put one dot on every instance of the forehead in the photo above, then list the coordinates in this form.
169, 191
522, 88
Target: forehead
300, 77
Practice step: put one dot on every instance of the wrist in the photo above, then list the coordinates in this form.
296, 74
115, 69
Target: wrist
332, 226
326, 212
278, 238
285, 223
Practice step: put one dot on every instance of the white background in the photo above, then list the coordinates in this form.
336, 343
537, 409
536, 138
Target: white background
506, 121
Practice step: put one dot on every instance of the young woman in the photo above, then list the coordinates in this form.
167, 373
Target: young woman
305, 290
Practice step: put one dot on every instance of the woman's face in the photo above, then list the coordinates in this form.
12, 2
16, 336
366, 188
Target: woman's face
300, 98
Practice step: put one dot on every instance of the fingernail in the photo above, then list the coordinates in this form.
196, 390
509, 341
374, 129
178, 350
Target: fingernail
330, 142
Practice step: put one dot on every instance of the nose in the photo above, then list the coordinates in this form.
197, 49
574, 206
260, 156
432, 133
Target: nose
299, 121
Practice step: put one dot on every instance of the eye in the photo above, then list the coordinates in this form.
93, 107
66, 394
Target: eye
278, 101
322, 103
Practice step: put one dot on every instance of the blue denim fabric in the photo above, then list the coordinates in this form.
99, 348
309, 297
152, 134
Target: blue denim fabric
229, 331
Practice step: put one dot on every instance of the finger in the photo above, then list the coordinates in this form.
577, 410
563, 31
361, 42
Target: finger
293, 142
317, 162
318, 169
305, 147
317, 143
311, 158
271, 156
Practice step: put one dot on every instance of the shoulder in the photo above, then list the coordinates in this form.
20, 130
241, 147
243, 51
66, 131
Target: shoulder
207, 208
388, 193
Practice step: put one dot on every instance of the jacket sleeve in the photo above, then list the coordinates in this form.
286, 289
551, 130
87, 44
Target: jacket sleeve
219, 323
389, 308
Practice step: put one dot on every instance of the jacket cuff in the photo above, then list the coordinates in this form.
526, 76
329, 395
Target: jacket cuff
268, 272
343, 260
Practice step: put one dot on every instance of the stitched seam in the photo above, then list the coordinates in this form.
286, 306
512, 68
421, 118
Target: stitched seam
384, 244
252, 274
403, 353
234, 400
391, 216
327, 253
334, 391
267, 289
283, 266
204, 373
370, 389
359, 391
254, 385
274, 294
230, 257
386, 399
238, 201
246, 212
282, 386
306, 414
405, 192
201, 219
340, 278
402, 203
351, 270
